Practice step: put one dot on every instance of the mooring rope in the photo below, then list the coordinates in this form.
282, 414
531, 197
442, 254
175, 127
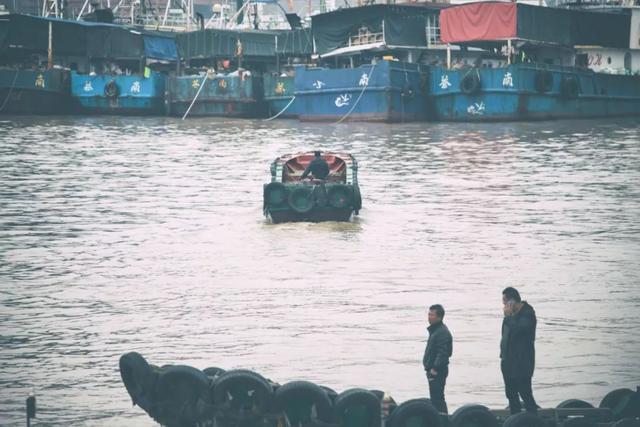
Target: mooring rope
206, 76
359, 96
10, 90
282, 111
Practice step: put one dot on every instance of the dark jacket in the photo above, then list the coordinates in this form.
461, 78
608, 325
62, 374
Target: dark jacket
439, 347
517, 349
318, 167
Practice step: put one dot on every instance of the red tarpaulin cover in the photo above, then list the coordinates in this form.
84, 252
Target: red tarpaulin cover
478, 21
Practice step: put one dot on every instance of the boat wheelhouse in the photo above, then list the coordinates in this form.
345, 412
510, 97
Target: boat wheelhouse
290, 198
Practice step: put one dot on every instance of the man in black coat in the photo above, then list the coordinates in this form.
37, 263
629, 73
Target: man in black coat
318, 167
517, 350
436, 357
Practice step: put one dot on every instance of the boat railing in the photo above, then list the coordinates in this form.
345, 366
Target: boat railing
366, 38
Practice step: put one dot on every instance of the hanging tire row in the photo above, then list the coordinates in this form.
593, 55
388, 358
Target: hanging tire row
183, 396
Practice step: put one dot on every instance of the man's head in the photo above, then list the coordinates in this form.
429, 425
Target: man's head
510, 294
317, 153
436, 314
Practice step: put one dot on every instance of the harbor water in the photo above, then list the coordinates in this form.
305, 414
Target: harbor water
126, 234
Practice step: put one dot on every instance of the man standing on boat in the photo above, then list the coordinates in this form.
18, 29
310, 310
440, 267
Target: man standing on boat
318, 167
517, 350
436, 357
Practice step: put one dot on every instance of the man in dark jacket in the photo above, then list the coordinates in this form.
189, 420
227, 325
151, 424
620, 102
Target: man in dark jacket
318, 167
517, 350
436, 356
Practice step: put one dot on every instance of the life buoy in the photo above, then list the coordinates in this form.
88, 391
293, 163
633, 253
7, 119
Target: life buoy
301, 198
340, 196
470, 83
111, 89
543, 81
569, 87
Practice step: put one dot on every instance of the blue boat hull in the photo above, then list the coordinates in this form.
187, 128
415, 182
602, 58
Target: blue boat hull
224, 96
34, 92
278, 94
385, 92
135, 94
511, 93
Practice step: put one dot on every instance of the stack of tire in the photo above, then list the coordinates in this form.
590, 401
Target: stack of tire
303, 198
182, 396
622, 410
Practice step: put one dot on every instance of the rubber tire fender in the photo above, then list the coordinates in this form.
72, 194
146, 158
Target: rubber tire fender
357, 397
182, 396
248, 387
213, 372
543, 81
339, 196
574, 404
330, 392
619, 402
524, 419
357, 199
111, 89
275, 194
416, 408
470, 83
139, 379
473, 415
569, 87
304, 193
307, 392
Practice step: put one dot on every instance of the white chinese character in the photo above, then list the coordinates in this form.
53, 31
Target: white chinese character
364, 80
88, 87
135, 87
318, 84
476, 109
507, 80
343, 100
444, 82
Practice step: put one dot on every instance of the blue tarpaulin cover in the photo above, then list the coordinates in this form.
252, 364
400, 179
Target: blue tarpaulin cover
160, 48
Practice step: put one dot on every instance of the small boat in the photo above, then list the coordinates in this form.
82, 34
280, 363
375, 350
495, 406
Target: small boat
289, 198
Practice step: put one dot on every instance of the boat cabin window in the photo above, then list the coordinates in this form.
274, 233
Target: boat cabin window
294, 168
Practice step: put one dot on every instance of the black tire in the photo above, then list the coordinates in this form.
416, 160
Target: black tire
543, 81
569, 87
330, 392
213, 372
416, 408
470, 83
139, 379
301, 198
579, 422
275, 194
574, 404
473, 416
299, 399
182, 396
621, 402
340, 196
111, 89
243, 393
357, 407
524, 419
627, 422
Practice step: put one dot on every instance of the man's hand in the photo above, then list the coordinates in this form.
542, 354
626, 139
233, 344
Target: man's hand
433, 372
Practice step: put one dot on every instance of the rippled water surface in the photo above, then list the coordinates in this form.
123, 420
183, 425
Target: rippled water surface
121, 234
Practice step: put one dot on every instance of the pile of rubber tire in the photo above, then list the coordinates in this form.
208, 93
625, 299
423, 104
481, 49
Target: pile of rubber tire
183, 396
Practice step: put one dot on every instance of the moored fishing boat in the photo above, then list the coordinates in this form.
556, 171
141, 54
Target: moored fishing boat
126, 73
34, 91
290, 198
279, 95
215, 94
533, 73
